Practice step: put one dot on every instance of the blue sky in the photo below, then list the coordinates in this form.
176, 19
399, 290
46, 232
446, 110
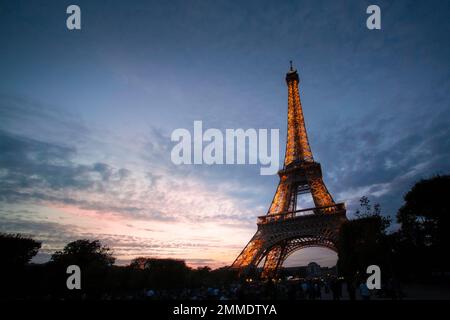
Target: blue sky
86, 116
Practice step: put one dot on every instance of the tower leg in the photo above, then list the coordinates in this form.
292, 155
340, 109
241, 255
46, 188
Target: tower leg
319, 192
250, 255
274, 260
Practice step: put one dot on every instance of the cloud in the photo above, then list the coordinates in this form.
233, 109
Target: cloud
29, 163
383, 156
33, 170
28, 117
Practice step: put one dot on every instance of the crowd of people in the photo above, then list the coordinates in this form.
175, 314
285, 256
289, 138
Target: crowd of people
331, 288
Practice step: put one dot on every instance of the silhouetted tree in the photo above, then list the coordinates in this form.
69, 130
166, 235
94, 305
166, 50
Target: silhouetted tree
425, 216
223, 276
139, 263
424, 235
84, 253
17, 250
94, 260
167, 273
363, 241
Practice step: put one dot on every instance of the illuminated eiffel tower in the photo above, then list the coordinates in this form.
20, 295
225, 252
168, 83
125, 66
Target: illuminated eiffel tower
285, 228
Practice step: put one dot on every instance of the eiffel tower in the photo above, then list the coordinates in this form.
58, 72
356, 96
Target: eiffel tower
285, 228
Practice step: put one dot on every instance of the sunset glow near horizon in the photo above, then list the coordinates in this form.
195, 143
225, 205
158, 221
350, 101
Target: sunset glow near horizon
86, 116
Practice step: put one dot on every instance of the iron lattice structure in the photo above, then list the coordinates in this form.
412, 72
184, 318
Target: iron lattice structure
285, 229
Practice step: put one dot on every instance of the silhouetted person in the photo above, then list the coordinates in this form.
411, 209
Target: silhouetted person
301, 291
336, 289
318, 290
364, 291
394, 288
311, 291
327, 286
339, 287
270, 290
351, 290
292, 291
242, 291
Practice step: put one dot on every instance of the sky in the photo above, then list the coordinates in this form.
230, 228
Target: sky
86, 116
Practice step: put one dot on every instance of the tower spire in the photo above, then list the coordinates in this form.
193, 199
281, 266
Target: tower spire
297, 146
